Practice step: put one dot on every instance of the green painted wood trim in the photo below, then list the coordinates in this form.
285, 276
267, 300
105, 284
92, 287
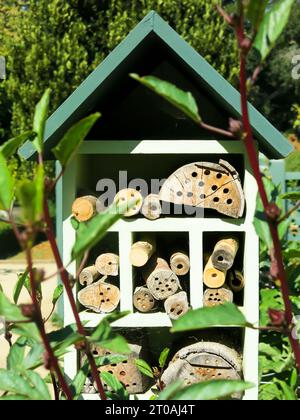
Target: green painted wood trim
271, 141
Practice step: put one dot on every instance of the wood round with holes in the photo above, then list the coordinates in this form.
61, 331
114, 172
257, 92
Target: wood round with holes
143, 300
108, 264
88, 275
224, 253
177, 305
202, 362
206, 185
84, 208
180, 263
216, 297
212, 277
142, 251
163, 283
127, 371
100, 297
132, 198
151, 208
236, 281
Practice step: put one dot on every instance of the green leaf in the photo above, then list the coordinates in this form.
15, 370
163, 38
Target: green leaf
9, 148
9, 311
16, 354
273, 24
255, 10
270, 299
64, 338
117, 344
6, 185
28, 384
90, 233
38, 384
289, 394
31, 195
27, 330
177, 97
227, 315
19, 285
39, 121
117, 387
57, 294
144, 368
163, 357
212, 390
293, 196
170, 391
74, 137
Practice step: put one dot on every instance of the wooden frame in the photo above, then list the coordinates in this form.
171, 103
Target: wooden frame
194, 227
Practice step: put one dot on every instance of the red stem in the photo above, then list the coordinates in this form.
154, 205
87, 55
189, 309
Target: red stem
68, 288
40, 324
273, 225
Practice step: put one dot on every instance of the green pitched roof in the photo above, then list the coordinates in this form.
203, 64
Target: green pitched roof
79, 104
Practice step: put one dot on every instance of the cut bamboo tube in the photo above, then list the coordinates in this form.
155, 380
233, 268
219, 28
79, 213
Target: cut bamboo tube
224, 253
129, 196
88, 275
142, 251
84, 208
108, 264
177, 305
152, 207
215, 297
180, 263
236, 281
100, 297
154, 264
143, 300
213, 278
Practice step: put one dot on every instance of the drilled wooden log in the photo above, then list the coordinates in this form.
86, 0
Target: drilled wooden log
142, 251
204, 361
84, 208
126, 372
151, 208
206, 185
108, 264
224, 253
143, 300
177, 305
163, 283
180, 263
130, 198
215, 297
88, 275
212, 277
236, 281
155, 263
100, 297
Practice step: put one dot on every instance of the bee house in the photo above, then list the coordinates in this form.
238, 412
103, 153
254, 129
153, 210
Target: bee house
189, 242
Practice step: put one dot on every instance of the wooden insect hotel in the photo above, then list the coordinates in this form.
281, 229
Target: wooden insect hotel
189, 241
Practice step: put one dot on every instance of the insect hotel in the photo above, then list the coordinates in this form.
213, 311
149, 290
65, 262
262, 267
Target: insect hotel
189, 241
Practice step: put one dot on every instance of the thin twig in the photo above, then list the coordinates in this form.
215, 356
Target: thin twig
289, 213
55, 387
216, 130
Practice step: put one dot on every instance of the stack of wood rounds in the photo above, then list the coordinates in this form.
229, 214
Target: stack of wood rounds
99, 295
161, 279
218, 270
